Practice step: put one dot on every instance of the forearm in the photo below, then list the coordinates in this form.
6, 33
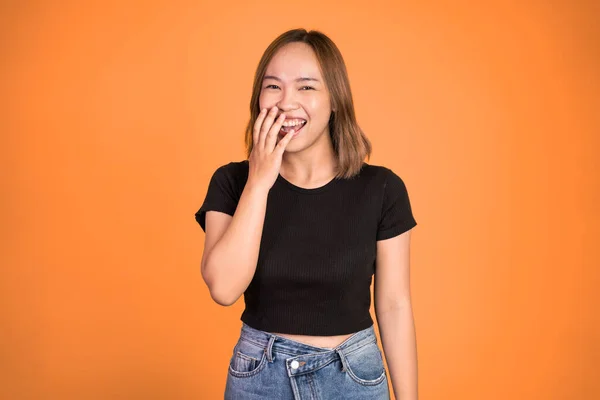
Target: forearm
231, 264
398, 339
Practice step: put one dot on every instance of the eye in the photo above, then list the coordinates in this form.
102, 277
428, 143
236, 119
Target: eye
302, 88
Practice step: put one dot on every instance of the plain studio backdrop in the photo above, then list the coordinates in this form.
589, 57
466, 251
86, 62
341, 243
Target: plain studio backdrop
116, 113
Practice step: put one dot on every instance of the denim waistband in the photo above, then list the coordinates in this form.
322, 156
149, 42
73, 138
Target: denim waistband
293, 347
305, 357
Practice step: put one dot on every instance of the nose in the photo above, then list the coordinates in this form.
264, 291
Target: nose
287, 101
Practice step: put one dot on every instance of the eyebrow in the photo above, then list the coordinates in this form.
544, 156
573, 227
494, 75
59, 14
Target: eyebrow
303, 79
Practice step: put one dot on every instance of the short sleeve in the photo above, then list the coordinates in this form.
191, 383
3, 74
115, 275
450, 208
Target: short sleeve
220, 196
396, 212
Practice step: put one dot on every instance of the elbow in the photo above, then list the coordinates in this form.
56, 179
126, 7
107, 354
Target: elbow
221, 296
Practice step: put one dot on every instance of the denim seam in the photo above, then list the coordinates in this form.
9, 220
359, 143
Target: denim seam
249, 358
246, 374
365, 382
360, 346
312, 386
316, 369
260, 345
276, 351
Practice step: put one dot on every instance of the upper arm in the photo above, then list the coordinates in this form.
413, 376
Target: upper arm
396, 215
392, 277
219, 205
216, 223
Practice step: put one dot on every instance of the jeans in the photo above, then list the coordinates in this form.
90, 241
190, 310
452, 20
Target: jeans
267, 366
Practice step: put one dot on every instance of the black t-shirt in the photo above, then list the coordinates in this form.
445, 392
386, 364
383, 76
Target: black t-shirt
318, 247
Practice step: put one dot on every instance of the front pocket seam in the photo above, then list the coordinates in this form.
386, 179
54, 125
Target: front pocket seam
259, 367
373, 382
367, 382
247, 357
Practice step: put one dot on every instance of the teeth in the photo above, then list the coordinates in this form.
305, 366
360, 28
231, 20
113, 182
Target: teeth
293, 122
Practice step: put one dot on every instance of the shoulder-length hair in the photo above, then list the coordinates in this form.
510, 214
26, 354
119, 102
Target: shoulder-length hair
349, 141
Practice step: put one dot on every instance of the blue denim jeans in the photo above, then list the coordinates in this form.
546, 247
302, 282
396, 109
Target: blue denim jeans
267, 366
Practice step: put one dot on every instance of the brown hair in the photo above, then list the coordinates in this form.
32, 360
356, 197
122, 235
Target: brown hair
349, 141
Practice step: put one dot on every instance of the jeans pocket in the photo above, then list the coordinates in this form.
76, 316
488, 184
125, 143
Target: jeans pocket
365, 365
248, 359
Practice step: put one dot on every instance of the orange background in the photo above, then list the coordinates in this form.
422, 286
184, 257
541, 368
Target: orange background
116, 114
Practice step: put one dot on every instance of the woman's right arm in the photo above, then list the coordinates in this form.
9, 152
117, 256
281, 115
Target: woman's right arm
232, 244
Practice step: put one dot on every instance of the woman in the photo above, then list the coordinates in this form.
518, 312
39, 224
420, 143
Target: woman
300, 228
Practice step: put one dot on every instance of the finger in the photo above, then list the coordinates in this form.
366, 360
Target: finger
257, 125
284, 141
271, 138
268, 122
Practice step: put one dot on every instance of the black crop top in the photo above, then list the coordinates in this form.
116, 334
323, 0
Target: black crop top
318, 247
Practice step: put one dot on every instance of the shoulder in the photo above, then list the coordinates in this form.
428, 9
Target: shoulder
231, 177
381, 173
234, 168
234, 171
388, 181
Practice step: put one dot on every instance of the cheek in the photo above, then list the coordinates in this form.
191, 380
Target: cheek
318, 108
266, 100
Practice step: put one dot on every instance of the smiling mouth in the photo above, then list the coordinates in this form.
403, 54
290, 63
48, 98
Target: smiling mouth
286, 129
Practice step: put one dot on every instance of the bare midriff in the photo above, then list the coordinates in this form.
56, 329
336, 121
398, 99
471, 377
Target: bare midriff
326, 342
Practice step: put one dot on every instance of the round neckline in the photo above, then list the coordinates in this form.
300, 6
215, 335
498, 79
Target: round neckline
307, 190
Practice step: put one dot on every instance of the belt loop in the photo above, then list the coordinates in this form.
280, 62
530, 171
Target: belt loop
269, 348
342, 358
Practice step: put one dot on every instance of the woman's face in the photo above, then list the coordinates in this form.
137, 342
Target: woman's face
293, 82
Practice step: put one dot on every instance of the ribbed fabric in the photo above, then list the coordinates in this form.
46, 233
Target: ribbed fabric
318, 247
